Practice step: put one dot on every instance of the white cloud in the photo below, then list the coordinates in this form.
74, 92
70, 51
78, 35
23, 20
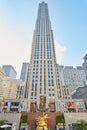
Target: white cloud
16, 49
60, 51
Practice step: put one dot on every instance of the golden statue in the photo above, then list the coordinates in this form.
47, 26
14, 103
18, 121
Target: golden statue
42, 122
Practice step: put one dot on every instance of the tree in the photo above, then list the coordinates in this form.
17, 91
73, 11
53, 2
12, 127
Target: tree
81, 126
2, 122
24, 118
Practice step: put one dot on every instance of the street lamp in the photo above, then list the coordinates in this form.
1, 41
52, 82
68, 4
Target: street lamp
63, 121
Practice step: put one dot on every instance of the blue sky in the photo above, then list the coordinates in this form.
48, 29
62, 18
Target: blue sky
17, 22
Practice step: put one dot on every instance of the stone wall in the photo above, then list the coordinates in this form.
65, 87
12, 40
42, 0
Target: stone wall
32, 116
11, 118
74, 118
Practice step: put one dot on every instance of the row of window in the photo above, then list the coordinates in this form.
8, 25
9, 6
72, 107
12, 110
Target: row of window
42, 58
35, 93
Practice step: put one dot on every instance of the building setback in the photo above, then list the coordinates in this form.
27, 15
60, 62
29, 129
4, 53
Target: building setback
42, 86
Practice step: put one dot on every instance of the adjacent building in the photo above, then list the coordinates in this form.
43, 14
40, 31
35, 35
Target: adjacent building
43, 87
65, 88
9, 71
24, 71
20, 88
2, 74
71, 78
85, 64
9, 89
60, 83
83, 74
81, 93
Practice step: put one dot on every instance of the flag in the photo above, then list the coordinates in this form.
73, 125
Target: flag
20, 105
2, 104
10, 104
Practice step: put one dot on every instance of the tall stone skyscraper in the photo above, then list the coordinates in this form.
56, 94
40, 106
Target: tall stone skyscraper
42, 86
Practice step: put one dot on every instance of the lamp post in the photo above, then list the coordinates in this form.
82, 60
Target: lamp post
63, 121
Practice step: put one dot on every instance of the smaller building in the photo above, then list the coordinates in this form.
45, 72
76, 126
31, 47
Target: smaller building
8, 90
83, 74
2, 75
11, 120
81, 93
24, 71
20, 88
9, 71
85, 64
74, 118
71, 79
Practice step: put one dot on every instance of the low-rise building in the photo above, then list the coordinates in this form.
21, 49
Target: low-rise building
20, 88
71, 80
9, 88
2, 75
85, 64
81, 93
74, 118
9, 71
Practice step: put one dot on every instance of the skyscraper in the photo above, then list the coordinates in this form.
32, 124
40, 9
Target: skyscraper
42, 86
24, 71
83, 74
9, 71
85, 64
72, 78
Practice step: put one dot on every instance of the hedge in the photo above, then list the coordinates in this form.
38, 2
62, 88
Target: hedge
60, 119
24, 119
2, 122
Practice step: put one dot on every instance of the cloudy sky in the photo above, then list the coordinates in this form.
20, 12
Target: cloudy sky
17, 22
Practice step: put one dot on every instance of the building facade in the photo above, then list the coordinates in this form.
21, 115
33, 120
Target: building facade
83, 74
2, 75
71, 78
9, 71
65, 88
24, 71
9, 88
85, 64
20, 89
81, 93
43, 86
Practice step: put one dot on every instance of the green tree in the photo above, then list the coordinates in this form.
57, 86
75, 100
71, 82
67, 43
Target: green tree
81, 126
2, 122
24, 118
